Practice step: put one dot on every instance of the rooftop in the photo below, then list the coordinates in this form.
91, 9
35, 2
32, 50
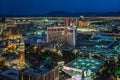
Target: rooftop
81, 64
95, 43
41, 69
9, 56
11, 73
36, 40
103, 37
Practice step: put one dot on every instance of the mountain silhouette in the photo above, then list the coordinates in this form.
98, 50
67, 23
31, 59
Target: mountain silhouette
65, 14
90, 14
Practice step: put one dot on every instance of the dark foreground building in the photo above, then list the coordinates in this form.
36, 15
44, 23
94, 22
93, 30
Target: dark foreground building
50, 75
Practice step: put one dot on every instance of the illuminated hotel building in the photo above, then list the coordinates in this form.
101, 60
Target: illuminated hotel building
75, 23
83, 24
67, 21
65, 35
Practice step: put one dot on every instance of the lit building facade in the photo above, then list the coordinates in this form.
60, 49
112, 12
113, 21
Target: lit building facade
64, 35
67, 21
16, 43
1, 28
83, 24
75, 23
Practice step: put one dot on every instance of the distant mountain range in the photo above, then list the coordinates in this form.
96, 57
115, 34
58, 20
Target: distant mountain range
65, 14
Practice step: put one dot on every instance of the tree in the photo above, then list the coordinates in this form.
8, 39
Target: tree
75, 51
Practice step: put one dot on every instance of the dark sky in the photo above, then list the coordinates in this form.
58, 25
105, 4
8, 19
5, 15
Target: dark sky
44, 6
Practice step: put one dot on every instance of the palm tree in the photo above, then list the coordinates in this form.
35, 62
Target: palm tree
59, 52
75, 52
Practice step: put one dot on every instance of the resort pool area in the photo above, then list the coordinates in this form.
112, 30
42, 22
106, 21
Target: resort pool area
81, 64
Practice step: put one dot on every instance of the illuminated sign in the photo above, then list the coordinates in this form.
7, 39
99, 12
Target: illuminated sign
87, 72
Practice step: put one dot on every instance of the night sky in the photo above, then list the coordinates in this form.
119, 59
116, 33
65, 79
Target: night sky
18, 7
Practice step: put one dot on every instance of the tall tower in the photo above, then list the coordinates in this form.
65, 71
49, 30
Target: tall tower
21, 58
1, 28
2, 25
65, 30
67, 22
21, 50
